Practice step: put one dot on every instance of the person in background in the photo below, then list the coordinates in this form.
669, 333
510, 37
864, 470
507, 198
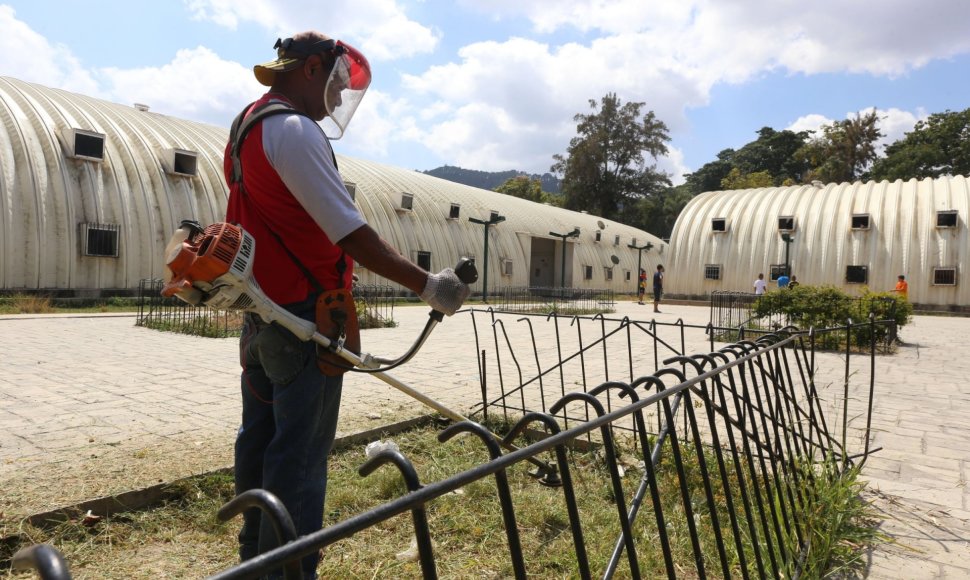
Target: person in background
783, 281
658, 287
793, 283
641, 285
902, 287
285, 191
760, 285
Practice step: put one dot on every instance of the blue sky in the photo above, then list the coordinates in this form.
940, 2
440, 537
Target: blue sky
494, 85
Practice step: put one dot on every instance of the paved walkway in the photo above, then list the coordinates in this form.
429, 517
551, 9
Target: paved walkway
91, 406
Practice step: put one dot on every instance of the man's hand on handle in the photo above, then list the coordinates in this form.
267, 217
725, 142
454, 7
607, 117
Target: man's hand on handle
445, 292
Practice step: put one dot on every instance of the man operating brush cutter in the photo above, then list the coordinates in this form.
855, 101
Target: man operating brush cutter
290, 202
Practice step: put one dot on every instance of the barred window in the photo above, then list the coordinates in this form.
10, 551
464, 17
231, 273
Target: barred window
718, 225
856, 274
599, 236
786, 223
423, 259
777, 271
608, 272
455, 211
100, 240
712, 272
407, 201
506, 267
944, 276
587, 272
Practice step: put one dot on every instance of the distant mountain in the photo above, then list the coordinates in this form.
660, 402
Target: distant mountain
490, 179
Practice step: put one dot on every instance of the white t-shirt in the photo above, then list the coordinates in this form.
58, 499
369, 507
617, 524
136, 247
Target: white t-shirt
759, 286
301, 155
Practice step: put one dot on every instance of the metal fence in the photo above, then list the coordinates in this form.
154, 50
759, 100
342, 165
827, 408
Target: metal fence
159, 312
544, 300
739, 430
375, 309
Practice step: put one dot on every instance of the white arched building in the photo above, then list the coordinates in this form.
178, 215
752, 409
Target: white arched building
91, 191
849, 235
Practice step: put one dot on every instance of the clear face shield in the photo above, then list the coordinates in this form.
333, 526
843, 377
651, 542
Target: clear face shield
345, 89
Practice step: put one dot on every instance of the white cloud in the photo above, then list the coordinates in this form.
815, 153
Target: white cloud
380, 27
216, 86
895, 123
28, 56
811, 122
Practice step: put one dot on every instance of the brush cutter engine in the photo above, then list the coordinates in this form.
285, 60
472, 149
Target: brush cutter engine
213, 266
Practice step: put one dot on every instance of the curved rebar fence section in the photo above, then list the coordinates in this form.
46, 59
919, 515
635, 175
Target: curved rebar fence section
739, 430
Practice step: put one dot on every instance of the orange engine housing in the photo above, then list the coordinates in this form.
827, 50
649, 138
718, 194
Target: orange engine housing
203, 257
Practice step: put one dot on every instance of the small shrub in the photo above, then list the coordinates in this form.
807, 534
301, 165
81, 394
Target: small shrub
31, 304
829, 307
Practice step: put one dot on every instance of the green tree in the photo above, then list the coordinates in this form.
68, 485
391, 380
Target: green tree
939, 145
737, 180
658, 213
606, 166
710, 175
843, 151
523, 187
773, 152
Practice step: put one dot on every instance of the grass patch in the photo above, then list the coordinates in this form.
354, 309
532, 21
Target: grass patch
182, 539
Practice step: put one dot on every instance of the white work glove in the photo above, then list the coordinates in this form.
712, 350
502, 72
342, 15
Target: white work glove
445, 292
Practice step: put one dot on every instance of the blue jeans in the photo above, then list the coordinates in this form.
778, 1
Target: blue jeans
289, 421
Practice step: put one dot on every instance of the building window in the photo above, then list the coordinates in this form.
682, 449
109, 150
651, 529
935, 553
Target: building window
454, 212
407, 201
87, 145
786, 223
777, 271
856, 274
860, 221
719, 225
633, 242
946, 219
616, 241
599, 236
183, 162
712, 272
944, 276
626, 274
351, 190
506, 267
100, 240
493, 216
423, 260
608, 273
587, 272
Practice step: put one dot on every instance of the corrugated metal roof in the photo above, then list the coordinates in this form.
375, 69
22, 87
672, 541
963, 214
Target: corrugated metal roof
902, 237
46, 194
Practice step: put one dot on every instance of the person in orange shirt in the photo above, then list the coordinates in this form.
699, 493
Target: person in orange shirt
902, 287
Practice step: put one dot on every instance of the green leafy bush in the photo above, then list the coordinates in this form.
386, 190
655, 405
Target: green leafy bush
827, 306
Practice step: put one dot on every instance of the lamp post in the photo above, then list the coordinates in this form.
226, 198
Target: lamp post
639, 250
494, 219
562, 269
788, 239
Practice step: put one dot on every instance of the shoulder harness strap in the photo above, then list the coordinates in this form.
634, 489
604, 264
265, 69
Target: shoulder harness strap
240, 128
